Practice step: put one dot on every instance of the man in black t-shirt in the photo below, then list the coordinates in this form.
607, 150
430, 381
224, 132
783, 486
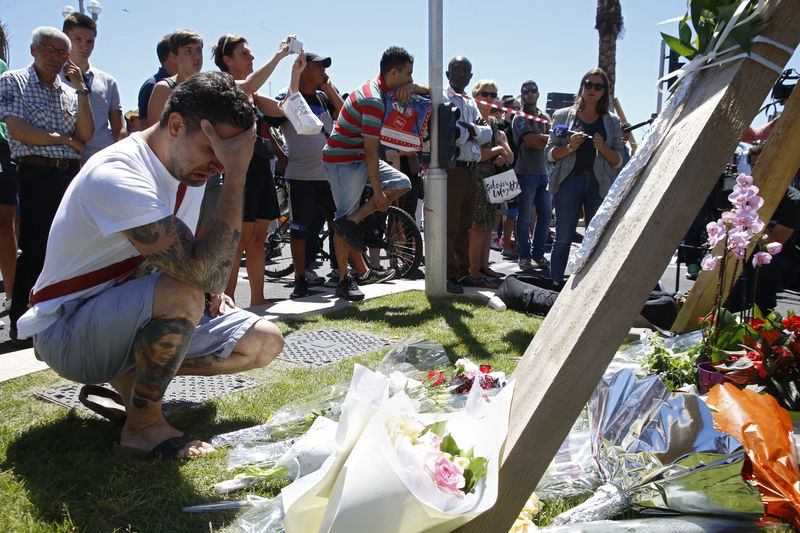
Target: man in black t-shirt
309, 190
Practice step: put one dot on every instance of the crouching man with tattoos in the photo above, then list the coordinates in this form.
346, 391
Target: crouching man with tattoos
94, 318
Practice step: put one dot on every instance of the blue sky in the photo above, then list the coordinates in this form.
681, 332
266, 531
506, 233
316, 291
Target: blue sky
553, 43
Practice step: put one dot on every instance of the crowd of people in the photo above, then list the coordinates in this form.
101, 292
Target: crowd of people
132, 227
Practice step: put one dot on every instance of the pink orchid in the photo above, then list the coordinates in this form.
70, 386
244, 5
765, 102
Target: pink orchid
774, 248
755, 202
762, 258
757, 226
709, 262
744, 180
727, 217
738, 238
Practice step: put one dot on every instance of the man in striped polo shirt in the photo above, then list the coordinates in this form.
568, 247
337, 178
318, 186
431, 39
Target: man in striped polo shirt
350, 157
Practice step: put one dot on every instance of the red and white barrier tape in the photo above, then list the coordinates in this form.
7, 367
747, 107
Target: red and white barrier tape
508, 109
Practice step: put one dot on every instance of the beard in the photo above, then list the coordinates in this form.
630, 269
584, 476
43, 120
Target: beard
187, 175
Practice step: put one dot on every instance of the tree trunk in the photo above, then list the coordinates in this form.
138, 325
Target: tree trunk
608, 23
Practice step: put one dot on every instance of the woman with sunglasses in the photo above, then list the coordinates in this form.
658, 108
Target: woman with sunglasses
585, 162
494, 154
232, 55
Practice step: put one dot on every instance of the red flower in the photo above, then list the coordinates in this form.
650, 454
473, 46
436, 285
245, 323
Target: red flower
792, 323
438, 374
757, 322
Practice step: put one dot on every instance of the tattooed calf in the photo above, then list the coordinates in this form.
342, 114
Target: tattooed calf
158, 350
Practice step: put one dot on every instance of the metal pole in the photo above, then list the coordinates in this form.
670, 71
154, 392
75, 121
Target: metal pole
435, 206
660, 73
80, 7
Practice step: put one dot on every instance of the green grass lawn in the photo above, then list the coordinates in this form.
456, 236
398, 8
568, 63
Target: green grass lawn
58, 472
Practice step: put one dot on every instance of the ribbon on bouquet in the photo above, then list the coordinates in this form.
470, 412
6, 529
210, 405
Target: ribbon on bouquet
704, 61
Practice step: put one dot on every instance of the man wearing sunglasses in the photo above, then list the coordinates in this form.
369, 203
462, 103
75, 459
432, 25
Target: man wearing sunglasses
532, 137
473, 131
48, 123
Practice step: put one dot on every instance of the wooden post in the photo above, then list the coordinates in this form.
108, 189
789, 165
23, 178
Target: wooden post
621, 115
773, 173
580, 335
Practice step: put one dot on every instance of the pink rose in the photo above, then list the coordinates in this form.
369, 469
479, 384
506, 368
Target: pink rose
448, 477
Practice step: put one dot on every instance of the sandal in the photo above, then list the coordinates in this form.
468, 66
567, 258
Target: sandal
107, 403
489, 273
167, 449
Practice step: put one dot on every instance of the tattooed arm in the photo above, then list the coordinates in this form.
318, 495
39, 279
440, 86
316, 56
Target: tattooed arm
204, 262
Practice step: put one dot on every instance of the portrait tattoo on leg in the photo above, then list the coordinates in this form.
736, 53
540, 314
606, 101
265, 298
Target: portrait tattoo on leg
158, 350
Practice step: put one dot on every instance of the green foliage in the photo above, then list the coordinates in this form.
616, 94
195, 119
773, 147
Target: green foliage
706, 20
674, 369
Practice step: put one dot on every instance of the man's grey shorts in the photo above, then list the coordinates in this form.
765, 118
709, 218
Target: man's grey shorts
348, 180
91, 343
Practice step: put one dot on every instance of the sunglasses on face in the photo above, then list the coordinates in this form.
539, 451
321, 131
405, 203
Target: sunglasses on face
487, 94
52, 50
597, 86
530, 91
496, 111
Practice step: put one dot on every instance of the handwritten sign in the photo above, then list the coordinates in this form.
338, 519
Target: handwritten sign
502, 187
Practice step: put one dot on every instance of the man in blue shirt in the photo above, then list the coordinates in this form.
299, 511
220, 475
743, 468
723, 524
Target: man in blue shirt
169, 67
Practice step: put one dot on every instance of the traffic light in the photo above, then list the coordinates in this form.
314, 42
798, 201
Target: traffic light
447, 124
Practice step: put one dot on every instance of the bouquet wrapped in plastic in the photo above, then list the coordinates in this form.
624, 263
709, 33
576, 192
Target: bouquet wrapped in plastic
659, 451
765, 429
388, 472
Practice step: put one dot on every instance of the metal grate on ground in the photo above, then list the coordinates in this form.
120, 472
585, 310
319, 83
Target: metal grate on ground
183, 391
327, 345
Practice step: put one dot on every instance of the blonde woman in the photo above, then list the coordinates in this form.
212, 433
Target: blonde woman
494, 154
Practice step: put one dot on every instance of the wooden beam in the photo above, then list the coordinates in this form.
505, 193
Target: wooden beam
580, 335
773, 173
621, 115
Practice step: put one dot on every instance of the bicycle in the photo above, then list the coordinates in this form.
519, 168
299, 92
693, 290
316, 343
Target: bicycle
393, 231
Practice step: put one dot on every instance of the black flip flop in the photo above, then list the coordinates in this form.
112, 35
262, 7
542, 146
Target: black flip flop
108, 403
167, 449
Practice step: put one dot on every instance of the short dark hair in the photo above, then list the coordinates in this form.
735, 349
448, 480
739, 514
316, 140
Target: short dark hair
78, 20
213, 96
182, 38
162, 48
395, 57
225, 47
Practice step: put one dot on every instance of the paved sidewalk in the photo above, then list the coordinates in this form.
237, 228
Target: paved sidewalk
22, 362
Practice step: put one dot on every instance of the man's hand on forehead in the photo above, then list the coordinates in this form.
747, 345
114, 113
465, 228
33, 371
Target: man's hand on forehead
233, 152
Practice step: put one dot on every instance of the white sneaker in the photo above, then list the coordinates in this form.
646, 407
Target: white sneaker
6, 304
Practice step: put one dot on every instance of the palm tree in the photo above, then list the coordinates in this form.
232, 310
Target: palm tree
3, 41
608, 24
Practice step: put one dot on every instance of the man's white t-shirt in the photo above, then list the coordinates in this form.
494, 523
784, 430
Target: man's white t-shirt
119, 188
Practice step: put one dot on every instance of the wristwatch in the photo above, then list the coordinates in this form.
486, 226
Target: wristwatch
81, 92
570, 148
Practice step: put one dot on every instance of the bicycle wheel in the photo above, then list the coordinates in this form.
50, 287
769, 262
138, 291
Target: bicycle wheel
398, 235
277, 251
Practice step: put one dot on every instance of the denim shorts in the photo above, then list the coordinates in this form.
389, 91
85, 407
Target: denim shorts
348, 180
92, 341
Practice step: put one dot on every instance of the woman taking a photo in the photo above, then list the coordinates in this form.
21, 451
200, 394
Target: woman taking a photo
232, 55
585, 162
